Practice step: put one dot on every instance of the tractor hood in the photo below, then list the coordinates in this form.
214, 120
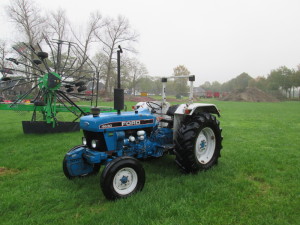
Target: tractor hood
115, 122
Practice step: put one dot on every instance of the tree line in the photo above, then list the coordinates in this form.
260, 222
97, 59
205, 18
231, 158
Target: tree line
175, 87
98, 38
282, 80
101, 33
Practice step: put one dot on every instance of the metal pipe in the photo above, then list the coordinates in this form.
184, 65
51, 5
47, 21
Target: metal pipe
119, 70
164, 84
183, 76
191, 97
58, 57
119, 65
97, 88
93, 85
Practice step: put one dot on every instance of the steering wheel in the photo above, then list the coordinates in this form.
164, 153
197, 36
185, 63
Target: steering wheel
152, 105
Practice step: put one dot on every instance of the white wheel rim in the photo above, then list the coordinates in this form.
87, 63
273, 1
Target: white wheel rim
205, 145
125, 181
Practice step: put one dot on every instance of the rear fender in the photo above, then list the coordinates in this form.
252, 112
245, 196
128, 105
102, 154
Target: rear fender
184, 110
190, 109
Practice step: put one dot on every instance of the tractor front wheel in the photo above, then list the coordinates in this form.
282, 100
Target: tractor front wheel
122, 177
198, 143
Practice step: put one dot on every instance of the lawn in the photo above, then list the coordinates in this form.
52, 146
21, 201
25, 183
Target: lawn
257, 180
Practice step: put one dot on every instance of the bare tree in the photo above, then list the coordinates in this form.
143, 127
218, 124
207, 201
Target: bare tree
3, 55
100, 60
57, 21
85, 39
180, 84
116, 32
27, 17
136, 70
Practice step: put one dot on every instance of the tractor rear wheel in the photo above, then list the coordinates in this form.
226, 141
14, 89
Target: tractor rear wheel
198, 143
122, 177
96, 167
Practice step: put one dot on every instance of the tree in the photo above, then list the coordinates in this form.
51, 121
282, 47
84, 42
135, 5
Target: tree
116, 32
241, 82
206, 85
27, 18
297, 80
85, 37
215, 86
260, 82
171, 88
57, 21
146, 84
287, 80
136, 69
274, 80
180, 84
100, 60
3, 54
293, 81
157, 86
4, 51
281, 78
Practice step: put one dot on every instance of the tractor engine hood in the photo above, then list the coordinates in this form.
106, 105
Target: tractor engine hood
116, 122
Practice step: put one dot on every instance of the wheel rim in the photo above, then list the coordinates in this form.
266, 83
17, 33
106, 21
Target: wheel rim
205, 145
125, 181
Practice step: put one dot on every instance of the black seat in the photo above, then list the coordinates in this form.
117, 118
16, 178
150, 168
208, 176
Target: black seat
172, 110
169, 121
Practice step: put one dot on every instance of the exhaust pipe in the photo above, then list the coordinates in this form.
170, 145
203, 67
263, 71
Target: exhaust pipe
118, 92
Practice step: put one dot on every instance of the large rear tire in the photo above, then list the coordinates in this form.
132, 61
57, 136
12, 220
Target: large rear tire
198, 143
122, 177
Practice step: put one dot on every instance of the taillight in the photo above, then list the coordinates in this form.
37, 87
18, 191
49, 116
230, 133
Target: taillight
187, 111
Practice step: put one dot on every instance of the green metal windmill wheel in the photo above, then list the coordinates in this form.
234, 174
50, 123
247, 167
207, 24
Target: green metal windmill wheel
53, 84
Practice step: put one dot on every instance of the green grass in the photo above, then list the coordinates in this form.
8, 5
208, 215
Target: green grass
257, 180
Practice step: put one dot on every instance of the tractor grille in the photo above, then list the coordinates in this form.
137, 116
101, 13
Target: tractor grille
89, 135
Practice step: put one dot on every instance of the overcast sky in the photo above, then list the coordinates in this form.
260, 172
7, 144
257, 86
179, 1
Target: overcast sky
214, 39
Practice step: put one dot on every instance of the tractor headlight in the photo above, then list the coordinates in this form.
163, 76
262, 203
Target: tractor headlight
94, 144
84, 142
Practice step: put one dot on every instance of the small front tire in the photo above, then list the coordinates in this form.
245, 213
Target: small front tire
122, 177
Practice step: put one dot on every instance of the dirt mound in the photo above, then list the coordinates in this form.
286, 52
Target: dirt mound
250, 94
139, 99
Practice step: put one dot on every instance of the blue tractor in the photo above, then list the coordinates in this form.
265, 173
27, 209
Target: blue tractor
118, 139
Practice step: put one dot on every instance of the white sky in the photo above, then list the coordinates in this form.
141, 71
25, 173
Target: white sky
214, 39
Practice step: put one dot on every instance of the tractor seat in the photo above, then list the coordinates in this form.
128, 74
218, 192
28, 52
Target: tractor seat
172, 110
169, 121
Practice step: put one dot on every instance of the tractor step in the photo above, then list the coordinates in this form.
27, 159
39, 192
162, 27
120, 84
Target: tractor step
41, 127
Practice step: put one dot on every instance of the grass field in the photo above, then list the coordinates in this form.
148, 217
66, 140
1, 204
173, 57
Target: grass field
257, 180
